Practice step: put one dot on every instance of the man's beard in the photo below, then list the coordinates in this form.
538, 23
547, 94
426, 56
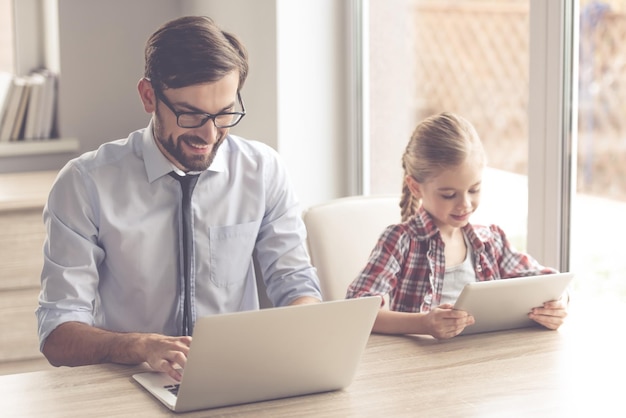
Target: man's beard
190, 162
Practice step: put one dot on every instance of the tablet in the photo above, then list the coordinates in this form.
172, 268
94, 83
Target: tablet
504, 304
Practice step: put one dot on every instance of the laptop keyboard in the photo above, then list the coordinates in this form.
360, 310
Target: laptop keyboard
173, 388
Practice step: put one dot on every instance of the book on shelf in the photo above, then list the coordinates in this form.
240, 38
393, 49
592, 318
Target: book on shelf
6, 81
13, 101
20, 116
34, 110
48, 105
29, 106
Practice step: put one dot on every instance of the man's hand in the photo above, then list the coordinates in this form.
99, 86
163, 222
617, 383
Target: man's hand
166, 354
78, 344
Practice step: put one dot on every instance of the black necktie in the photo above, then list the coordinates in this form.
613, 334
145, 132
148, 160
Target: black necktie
187, 183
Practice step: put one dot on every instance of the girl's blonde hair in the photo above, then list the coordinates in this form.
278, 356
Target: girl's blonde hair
438, 142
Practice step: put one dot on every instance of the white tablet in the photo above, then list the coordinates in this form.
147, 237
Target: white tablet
504, 304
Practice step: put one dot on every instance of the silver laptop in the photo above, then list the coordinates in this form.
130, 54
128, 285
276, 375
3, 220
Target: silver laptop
504, 304
268, 354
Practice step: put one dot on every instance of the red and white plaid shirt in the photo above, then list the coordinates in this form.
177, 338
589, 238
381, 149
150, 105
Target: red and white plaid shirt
408, 263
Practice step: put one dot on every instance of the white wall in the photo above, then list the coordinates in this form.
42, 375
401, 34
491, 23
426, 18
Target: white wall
101, 61
296, 93
257, 30
313, 63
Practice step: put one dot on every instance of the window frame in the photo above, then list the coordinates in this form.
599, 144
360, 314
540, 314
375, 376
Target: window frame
552, 101
552, 130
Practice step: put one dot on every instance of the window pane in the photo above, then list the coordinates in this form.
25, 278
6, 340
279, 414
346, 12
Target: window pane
599, 205
6, 36
465, 56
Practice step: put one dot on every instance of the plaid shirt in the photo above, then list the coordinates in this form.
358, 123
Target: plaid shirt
408, 263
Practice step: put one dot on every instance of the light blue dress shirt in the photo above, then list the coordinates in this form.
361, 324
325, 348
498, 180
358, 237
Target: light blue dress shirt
111, 257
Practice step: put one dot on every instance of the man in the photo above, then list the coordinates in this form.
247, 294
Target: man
123, 280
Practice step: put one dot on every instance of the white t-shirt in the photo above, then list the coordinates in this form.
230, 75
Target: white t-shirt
456, 277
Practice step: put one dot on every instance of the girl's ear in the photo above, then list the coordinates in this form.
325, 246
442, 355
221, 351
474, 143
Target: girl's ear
146, 94
414, 186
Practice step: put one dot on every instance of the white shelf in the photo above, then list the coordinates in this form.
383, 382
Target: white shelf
39, 147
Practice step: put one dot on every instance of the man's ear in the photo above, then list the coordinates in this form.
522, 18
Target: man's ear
414, 186
146, 94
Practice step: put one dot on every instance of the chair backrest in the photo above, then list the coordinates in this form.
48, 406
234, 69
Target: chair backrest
342, 234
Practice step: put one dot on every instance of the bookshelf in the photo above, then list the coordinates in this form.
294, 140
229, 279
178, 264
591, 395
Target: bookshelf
39, 147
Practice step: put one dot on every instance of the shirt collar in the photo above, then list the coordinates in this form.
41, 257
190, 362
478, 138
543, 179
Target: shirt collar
426, 229
423, 223
220, 162
157, 165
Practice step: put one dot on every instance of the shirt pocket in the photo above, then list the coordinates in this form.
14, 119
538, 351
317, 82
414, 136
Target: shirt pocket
231, 250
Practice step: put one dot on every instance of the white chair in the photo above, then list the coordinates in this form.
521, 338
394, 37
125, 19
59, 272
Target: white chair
342, 234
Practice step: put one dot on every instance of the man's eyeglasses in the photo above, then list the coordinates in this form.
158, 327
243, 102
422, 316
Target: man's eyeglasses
190, 120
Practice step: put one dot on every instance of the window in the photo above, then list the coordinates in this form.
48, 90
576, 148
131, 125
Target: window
472, 57
465, 56
600, 201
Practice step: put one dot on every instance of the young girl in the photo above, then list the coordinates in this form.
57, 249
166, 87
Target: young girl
424, 262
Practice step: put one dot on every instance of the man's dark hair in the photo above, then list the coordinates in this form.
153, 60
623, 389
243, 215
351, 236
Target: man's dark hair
192, 50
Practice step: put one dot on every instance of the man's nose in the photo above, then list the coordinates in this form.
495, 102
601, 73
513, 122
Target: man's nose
209, 131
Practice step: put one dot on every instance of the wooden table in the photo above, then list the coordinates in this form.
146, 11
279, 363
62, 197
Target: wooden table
573, 372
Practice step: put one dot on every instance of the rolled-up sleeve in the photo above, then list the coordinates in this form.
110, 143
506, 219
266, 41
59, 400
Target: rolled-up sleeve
280, 249
69, 279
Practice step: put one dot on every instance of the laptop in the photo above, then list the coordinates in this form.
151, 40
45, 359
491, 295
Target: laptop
273, 353
504, 304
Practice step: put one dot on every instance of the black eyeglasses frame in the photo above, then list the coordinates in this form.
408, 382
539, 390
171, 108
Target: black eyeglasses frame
237, 116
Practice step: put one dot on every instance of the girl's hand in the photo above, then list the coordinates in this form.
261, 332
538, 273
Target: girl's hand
551, 315
446, 322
